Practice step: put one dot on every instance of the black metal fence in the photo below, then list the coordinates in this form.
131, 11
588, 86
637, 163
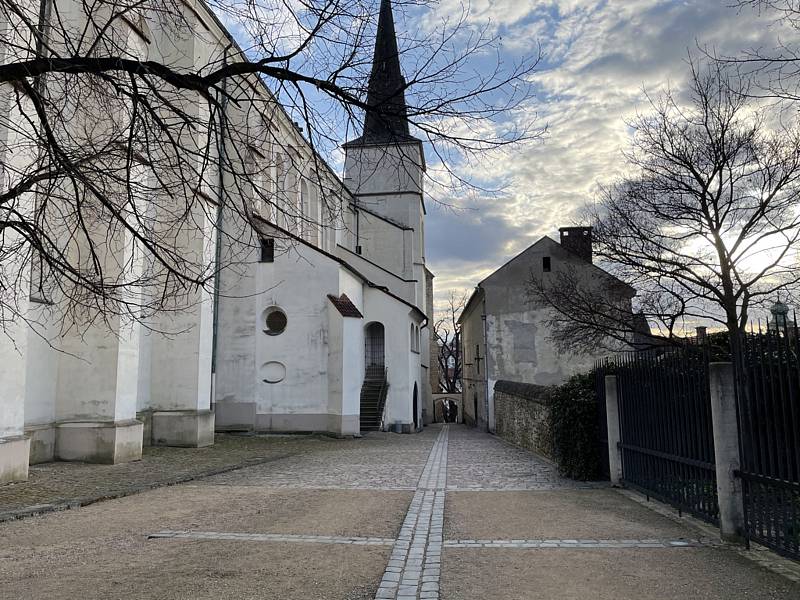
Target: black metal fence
667, 441
768, 389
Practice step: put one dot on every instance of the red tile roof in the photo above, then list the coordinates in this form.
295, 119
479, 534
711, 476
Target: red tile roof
345, 306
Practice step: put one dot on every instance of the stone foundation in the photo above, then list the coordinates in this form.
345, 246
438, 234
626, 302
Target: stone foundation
43, 442
146, 417
14, 456
242, 416
99, 442
183, 428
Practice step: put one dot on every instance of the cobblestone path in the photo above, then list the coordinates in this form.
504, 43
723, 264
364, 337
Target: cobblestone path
446, 514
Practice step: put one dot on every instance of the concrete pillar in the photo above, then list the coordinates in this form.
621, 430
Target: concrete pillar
180, 367
98, 374
726, 450
96, 397
14, 445
612, 420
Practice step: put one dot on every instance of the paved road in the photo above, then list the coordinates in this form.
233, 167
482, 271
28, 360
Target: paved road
449, 513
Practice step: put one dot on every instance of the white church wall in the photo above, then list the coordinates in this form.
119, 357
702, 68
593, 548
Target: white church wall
382, 169
352, 374
295, 395
14, 447
406, 289
41, 383
384, 243
297, 284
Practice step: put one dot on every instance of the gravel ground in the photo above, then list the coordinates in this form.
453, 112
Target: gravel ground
563, 514
652, 574
351, 489
102, 550
64, 483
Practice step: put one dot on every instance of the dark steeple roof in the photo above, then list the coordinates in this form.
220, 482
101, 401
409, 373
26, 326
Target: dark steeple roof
388, 121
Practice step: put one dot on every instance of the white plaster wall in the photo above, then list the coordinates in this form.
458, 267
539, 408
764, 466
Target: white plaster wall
297, 283
42, 370
385, 170
143, 401
405, 289
384, 243
352, 365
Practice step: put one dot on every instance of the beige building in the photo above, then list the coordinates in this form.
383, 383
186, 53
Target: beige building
506, 337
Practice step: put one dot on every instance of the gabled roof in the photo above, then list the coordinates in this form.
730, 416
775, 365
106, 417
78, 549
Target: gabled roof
477, 295
479, 292
345, 306
547, 240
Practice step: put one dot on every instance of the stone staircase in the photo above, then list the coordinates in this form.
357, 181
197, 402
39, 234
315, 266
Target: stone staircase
373, 398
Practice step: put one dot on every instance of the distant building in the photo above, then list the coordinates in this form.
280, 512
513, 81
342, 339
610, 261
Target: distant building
506, 337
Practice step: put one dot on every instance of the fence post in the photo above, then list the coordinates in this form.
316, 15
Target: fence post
726, 451
612, 420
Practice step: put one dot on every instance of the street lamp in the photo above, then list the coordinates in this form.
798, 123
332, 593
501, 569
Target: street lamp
780, 312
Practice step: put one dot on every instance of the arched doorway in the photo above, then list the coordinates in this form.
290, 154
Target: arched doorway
374, 353
415, 407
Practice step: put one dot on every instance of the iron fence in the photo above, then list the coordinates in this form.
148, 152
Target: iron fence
768, 396
666, 435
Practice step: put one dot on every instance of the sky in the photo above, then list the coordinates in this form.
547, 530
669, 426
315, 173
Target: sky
600, 57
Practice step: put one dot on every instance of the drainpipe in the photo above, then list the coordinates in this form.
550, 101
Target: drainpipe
486, 365
221, 153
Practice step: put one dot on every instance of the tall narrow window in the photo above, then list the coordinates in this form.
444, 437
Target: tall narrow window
546, 264
267, 250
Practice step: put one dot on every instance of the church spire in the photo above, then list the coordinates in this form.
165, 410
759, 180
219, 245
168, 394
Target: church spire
386, 93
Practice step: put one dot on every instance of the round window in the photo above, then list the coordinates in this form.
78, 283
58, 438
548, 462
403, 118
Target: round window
276, 322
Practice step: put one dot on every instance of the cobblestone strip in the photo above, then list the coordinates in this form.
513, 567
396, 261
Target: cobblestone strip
580, 544
415, 563
272, 537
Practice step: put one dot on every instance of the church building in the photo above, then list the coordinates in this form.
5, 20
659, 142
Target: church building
323, 325
340, 342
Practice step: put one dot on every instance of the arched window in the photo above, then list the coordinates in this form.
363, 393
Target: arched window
374, 353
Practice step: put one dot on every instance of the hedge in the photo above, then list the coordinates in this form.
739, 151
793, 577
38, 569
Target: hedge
574, 426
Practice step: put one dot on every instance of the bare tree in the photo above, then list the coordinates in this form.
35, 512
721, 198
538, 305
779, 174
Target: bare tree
129, 129
447, 332
706, 227
776, 70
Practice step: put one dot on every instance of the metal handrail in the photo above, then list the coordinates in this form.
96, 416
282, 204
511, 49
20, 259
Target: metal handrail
382, 397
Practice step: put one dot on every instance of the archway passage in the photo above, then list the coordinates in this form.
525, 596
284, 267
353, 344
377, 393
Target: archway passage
374, 350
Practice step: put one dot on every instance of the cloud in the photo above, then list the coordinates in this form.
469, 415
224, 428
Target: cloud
600, 56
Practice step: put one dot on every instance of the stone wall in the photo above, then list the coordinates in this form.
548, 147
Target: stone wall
522, 413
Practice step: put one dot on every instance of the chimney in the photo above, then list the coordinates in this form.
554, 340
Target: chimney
577, 240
